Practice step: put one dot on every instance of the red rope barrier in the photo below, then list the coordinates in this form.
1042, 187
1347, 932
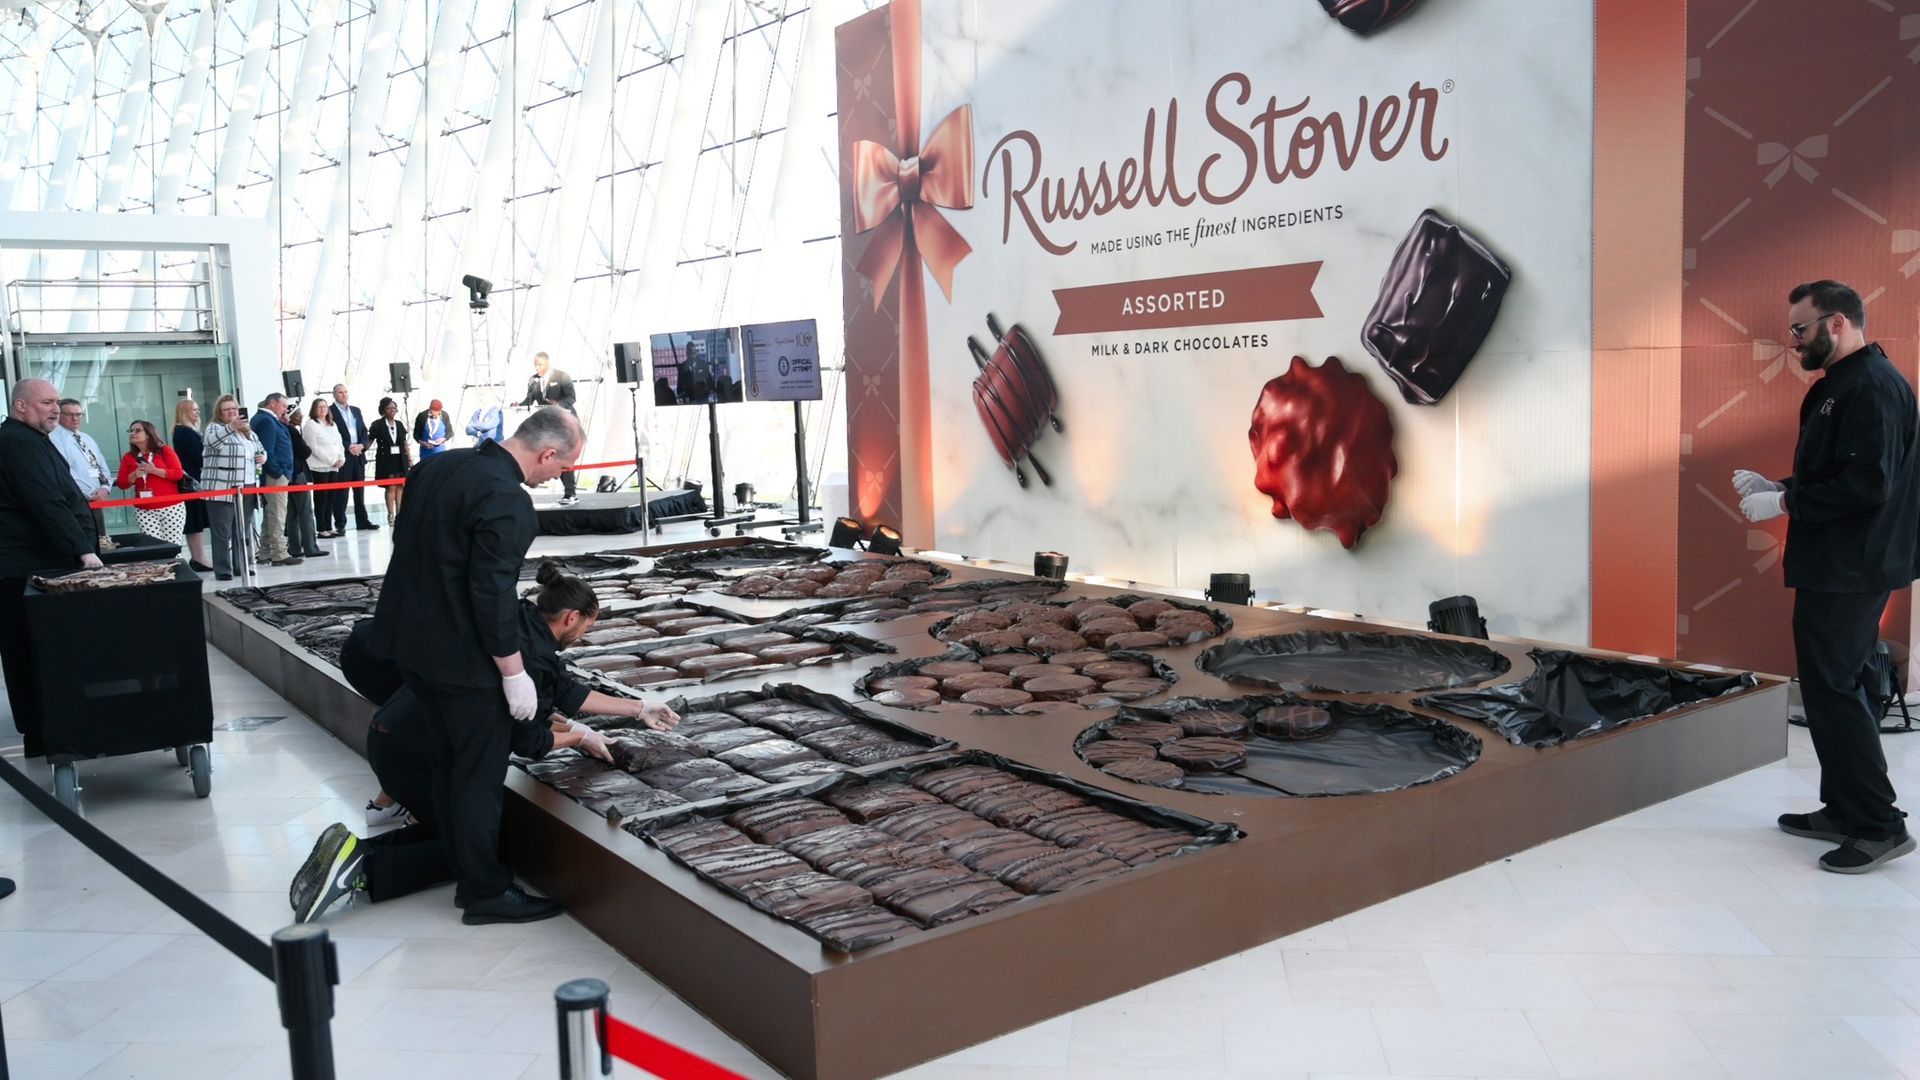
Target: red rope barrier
221, 493
662, 1059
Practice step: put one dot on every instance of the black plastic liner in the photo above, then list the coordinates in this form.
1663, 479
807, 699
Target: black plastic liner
1352, 662
961, 652
739, 559
275, 604
1205, 833
1371, 749
851, 647
1570, 696
584, 565
1222, 622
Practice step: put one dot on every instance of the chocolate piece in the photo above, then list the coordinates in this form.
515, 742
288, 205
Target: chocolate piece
698, 836
961, 779
1363, 17
673, 655
1205, 754
753, 643
933, 824
646, 676
1147, 771
720, 787
875, 753
907, 699
760, 757
682, 773
797, 720
871, 802
1184, 625
1077, 658
823, 844
640, 751
990, 698
739, 866
993, 641
1006, 663
1147, 731
792, 590
800, 770
884, 864
1052, 616
1088, 614
1143, 639
616, 662
843, 737
1076, 824
942, 669
694, 724
708, 666
853, 929
784, 819
1057, 641
1130, 689
956, 685
676, 627
1157, 844
756, 711
978, 622
620, 635
908, 571
1105, 752
1437, 303
660, 615
991, 852
1102, 631
1143, 611
1217, 722
725, 739
904, 682
818, 574
1060, 870
794, 653
938, 904
1108, 670
1322, 449
1037, 671
1058, 687
1293, 723
805, 895
840, 590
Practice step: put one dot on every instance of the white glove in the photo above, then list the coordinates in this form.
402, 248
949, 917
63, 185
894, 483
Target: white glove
1763, 506
659, 717
90, 561
1747, 482
591, 741
522, 699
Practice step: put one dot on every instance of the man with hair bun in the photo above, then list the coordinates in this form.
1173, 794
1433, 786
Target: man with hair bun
1852, 506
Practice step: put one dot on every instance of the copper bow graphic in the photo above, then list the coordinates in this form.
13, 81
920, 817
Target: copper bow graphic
1910, 29
1776, 356
1904, 241
900, 196
1814, 146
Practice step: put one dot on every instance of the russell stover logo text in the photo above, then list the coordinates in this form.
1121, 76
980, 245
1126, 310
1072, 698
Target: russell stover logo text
1278, 143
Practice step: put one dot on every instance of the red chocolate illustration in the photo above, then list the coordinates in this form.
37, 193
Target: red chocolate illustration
1436, 306
1363, 17
1015, 397
1323, 449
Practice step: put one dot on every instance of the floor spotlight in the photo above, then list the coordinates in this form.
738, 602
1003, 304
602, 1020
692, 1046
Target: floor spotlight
1051, 565
884, 541
1456, 615
846, 533
1230, 588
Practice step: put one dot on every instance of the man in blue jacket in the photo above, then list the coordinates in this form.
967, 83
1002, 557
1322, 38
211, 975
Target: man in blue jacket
270, 427
353, 435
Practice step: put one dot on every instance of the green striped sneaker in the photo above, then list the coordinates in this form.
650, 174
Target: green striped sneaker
330, 876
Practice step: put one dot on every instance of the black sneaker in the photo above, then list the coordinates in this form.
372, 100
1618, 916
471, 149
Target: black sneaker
1857, 856
512, 906
223, 577
330, 875
1816, 826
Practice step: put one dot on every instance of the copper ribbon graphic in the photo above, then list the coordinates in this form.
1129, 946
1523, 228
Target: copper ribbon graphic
898, 194
1794, 158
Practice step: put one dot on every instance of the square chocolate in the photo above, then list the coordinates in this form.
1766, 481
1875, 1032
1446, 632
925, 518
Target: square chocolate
1436, 305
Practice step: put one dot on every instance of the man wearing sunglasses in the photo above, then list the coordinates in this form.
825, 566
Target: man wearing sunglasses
1853, 517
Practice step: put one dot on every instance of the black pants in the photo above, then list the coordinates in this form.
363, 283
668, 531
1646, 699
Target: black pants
404, 861
1833, 639
16, 657
567, 484
355, 471
470, 732
329, 507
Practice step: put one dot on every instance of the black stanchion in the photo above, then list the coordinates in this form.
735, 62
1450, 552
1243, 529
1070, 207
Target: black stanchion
577, 1004
305, 972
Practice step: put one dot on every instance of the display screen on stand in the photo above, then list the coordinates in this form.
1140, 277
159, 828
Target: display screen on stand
782, 360
698, 367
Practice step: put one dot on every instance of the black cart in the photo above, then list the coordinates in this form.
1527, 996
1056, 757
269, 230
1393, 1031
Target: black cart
123, 671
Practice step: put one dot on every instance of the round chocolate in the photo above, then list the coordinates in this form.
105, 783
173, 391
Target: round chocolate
1144, 611
1049, 615
1058, 687
904, 682
1140, 639
1137, 687
1216, 722
1075, 607
906, 699
792, 590
1294, 723
1105, 670
1057, 642
840, 590
1093, 613
1180, 625
1078, 657
1158, 773
1101, 631
909, 572
956, 685
821, 574
941, 669
1107, 751
1008, 662
1205, 754
1033, 669
975, 622
1147, 731
993, 641
996, 698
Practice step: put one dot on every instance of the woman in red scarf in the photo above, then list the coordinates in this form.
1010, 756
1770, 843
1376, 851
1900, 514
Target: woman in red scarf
150, 468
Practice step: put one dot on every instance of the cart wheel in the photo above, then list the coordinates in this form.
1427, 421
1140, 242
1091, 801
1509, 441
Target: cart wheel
180, 755
66, 785
202, 770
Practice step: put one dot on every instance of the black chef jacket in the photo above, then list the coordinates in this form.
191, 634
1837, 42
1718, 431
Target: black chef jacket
44, 520
559, 691
449, 602
1853, 501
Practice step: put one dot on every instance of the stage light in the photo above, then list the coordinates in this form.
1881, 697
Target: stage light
1051, 565
1229, 588
846, 533
477, 290
1456, 615
884, 541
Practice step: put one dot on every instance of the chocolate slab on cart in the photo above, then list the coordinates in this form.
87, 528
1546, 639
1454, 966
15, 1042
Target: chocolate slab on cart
1375, 776
963, 682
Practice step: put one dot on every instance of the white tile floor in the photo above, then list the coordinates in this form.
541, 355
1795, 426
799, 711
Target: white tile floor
1691, 939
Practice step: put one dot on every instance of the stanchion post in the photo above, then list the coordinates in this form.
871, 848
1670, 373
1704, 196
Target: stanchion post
577, 1005
305, 971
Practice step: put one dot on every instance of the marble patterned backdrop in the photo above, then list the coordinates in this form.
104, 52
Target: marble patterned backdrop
1153, 478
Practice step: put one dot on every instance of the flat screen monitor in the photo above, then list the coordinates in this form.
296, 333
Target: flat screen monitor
696, 367
782, 360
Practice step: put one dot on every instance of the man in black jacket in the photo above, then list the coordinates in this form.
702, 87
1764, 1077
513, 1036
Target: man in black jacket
353, 436
449, 618
44, 525
1853, 529
551, 387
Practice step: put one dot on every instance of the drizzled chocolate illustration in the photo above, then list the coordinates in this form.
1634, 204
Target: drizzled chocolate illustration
1015, 397
1436, 305
1363, 17
1323, 448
